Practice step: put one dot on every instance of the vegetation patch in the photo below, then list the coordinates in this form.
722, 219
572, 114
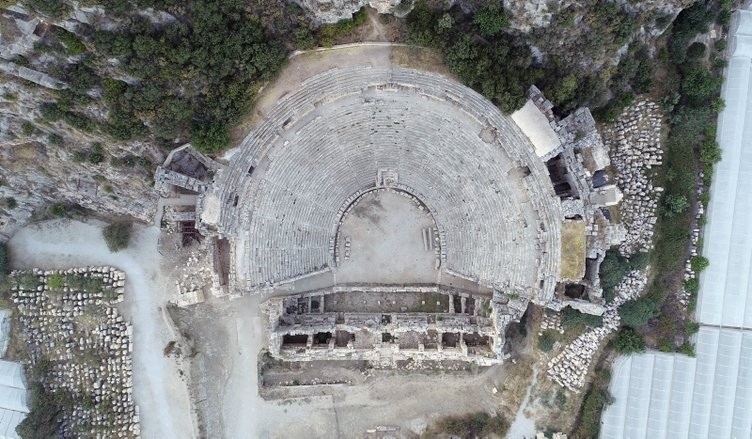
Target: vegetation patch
596, 399
570, 318
117, 235
473, 425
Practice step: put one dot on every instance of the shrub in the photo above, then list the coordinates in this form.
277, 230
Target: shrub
639, 261
11, 203
687, 349
692, 328
51, 111
28, 128
210, 138
666, 346
55, 281
117, 235
55, 139
696, 50
637, 312
59, 209
692, 285
570, 318
699, 263
546, 341
675, 204
490, 20
74, 45
479, 424
53, 8
96, 156
4, 260
627, 341
710, 152
27, 280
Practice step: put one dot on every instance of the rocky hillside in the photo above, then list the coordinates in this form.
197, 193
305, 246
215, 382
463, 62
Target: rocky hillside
95, 93
50, 162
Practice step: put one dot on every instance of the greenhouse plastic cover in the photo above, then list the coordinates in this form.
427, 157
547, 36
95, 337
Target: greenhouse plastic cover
725, 288
660, 395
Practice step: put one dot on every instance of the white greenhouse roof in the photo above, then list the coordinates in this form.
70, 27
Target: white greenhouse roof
660, 395
9, 420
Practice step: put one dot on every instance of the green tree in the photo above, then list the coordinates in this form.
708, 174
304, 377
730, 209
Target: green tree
627, 341
699, 85
699, 263
566, 90
675, 204
117, 235
696, 50
210, 137
491, 20
637, 312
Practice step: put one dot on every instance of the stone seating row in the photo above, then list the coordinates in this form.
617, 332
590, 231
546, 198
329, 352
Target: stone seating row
328, 141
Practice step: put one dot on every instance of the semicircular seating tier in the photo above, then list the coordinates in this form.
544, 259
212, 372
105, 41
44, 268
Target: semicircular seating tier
284, 193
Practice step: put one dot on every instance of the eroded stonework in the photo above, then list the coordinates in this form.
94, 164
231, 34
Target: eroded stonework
332, 11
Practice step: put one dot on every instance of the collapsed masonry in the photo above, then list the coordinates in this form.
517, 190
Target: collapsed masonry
578, 162
508, 199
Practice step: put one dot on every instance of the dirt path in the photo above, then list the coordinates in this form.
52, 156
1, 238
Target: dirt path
160, 392
229, 336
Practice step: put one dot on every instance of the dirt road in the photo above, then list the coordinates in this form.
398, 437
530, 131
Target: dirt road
159, 391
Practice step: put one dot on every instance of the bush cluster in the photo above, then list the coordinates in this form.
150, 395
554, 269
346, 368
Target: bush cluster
615, 266
596, 399
637, 312
547, 340
479, 424
4, 260
627, 341
117, 235
478, 52
570, 318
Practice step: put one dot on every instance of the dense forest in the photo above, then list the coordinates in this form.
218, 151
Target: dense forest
194, 75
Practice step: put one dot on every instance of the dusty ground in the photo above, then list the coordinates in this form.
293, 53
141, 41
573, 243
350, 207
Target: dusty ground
227, 338
160, 389
573, 250
385, 230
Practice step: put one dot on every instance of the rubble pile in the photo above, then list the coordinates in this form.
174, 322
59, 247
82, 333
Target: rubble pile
634, 142
79, 345
694, 249
551, 323
569, 369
